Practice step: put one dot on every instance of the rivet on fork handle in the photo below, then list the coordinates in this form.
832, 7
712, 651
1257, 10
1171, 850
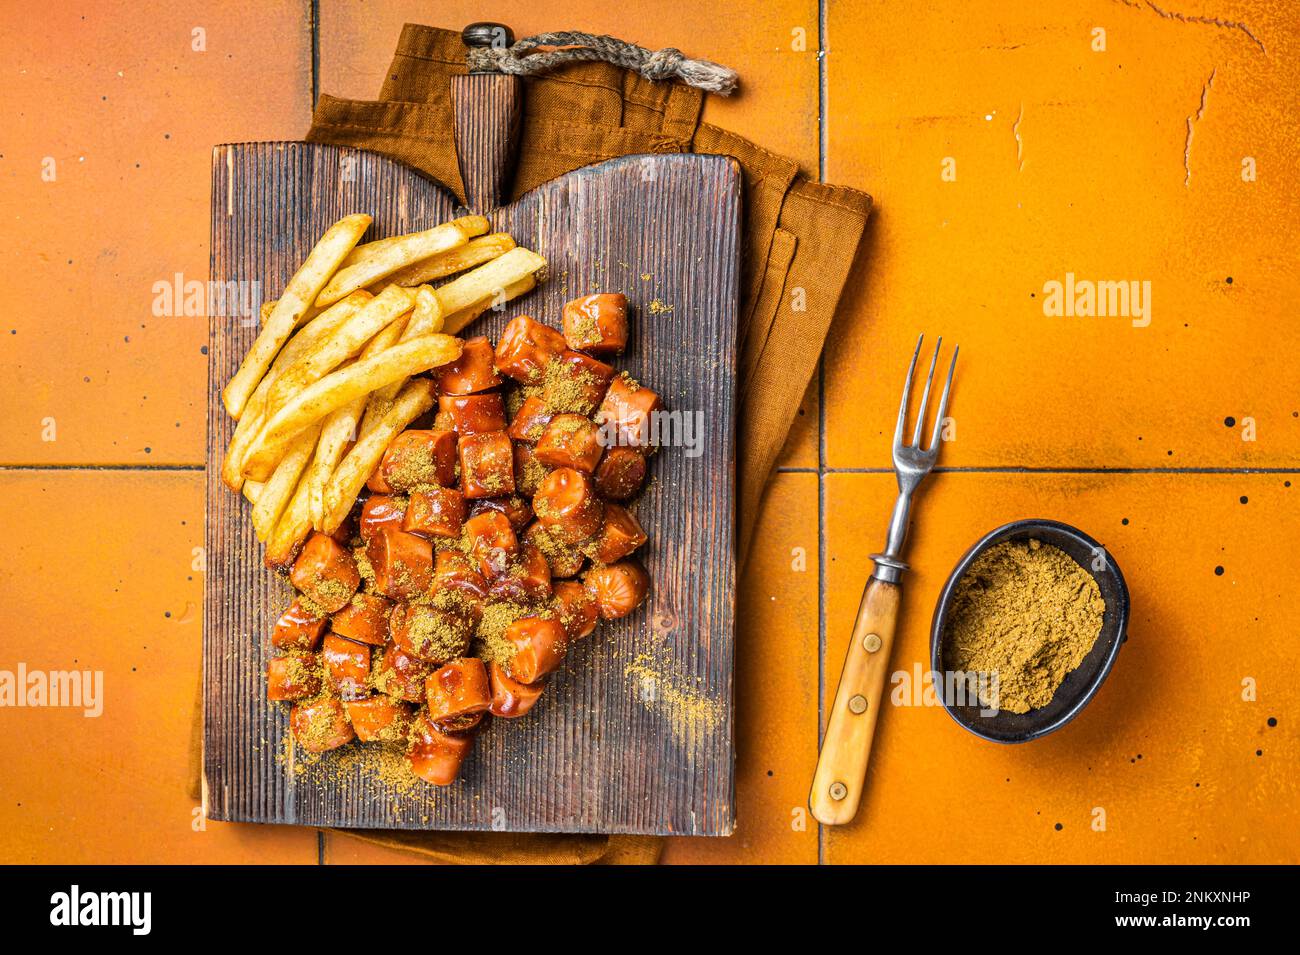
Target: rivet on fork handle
842, 765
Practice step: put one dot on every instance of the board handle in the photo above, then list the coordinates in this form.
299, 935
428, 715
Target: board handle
488, 111
842, 766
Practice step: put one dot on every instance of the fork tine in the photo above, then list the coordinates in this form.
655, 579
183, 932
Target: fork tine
925, 396
907, 390
943, 403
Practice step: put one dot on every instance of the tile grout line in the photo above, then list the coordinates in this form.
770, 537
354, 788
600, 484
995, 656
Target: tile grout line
1023, 469
313, 14
821, 426
102, 467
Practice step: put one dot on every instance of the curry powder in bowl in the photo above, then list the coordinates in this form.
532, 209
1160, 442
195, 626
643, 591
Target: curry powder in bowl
1027, 627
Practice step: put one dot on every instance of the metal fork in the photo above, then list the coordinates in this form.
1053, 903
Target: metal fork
842, 766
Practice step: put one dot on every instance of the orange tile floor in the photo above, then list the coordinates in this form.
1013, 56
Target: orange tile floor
1113, 140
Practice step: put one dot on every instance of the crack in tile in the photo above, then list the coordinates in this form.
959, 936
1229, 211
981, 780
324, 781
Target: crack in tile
1020, 145
1219, 22
1191, 128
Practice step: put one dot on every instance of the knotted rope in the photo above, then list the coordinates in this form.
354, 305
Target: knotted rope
665, 64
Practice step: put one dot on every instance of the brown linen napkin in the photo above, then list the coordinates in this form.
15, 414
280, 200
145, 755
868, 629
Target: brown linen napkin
800, 241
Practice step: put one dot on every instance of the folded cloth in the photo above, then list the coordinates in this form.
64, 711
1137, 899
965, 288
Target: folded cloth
799, 242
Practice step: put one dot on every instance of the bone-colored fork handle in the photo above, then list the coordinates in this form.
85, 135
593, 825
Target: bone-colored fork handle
842, 767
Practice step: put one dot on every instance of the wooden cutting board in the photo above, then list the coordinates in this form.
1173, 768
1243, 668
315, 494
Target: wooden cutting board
634, 734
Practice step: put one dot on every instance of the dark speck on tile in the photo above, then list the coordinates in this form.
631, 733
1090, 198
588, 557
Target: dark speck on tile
1229, 422
1218, 571
1272, 721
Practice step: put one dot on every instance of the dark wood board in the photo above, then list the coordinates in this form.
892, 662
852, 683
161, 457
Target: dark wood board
634, 734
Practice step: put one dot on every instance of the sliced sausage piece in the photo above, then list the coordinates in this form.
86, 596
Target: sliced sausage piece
492, 541
347, 666
376, 482
525, 348
321, 724
326, 573
417, 458
379, 718
459, 725
295, 676
456, 571
472, 372
380, 509
403, 563
597, 323
539, 644
297, 629
626, 413
567, 506
436, 755
526, 577
516, 509
474, 414
364, 619
575, 382
401, 675
431, 633
617, 589
565, 559
458, 689
570, 441
620, 473
510, 698
435, 512
529, 472
530, 420
576, 609
619, 535
487, 465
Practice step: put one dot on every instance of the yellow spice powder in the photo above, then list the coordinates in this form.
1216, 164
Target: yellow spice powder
1027, 612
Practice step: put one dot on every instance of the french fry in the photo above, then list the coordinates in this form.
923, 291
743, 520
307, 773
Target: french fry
455, 322
426, 319
338, 389
277, 491
407, 249
251, 421
267, 308
290, 530
302, 290
336, 434
470, 225
353, 471
340, 430
333, 350
252, 490
487, 281
472, 253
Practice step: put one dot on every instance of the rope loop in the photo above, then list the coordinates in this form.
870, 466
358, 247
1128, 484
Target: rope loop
526, 58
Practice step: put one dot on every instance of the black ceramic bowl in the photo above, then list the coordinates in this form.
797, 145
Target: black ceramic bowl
1081, 684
